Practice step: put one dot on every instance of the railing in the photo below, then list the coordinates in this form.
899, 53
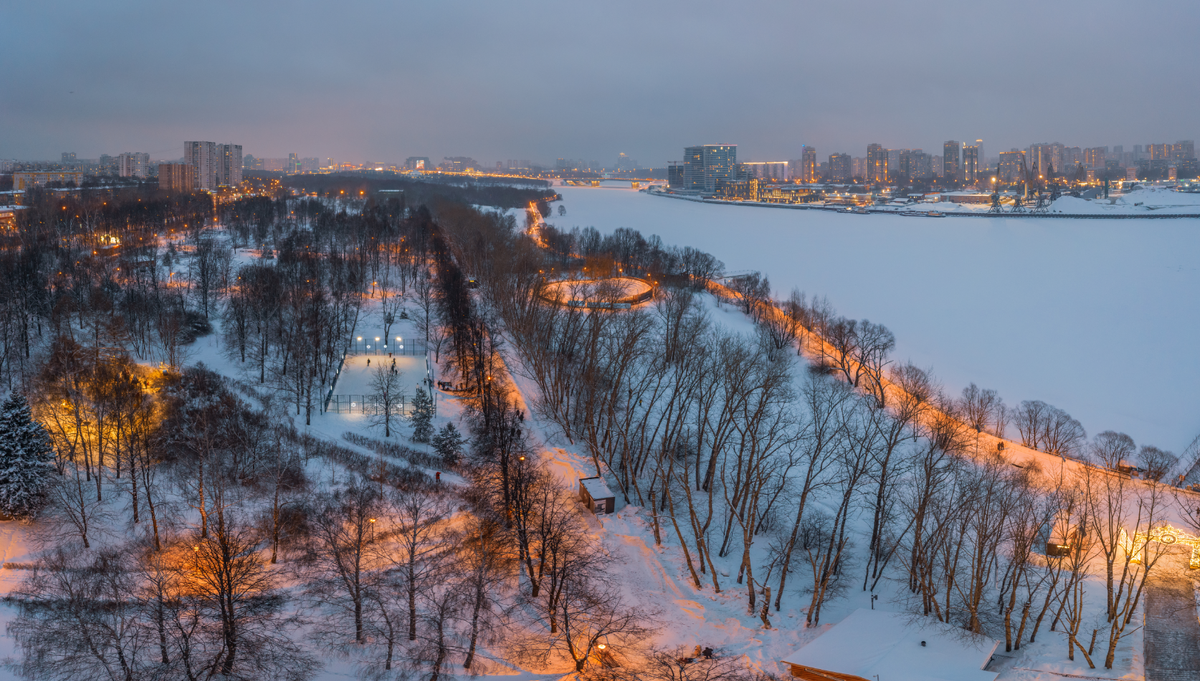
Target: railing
366, 404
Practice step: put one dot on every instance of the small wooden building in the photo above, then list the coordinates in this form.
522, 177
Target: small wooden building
595, 494
891, 646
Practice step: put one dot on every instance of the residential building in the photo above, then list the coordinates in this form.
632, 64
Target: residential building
1184, 150
808, 164
458, 164
1072, 157
229, 164
1012, 165
840, 167
675, 175
858, 168
1046, 158
68, 158
766, 170
1093, 157
1160, 152
709, 165
28, 180
970, 164
176, 177
213, 164
951, 153
133, 164
911, 164
983, 166
876, 169
422, 163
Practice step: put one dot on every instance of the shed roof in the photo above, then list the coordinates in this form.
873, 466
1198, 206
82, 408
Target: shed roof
596, 488
888, 644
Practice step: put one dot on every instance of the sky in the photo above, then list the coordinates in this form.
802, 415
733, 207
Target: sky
380, 81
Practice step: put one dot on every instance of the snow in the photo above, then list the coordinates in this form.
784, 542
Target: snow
1095, 317
896, 647
596, 488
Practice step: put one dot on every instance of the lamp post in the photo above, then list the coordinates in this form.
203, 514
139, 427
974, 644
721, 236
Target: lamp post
377, 345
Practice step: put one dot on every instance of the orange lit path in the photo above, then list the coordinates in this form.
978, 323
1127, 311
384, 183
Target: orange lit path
814, 346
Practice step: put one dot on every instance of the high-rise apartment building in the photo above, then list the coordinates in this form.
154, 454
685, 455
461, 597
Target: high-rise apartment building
675, 175
1072, 156
763, 170
1047, 157
1093, 157
1160, 152
983, 165
951, 153
970, 163
213, 164
1184, 150
839, 167
1011, 165
877, 164
133, 164
176, 177
808, 164
707, 166
68, 158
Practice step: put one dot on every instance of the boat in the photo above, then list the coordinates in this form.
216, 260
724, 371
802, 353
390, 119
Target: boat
935, 214
860, 209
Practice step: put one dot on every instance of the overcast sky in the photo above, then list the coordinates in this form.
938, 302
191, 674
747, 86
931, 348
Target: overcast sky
384, 80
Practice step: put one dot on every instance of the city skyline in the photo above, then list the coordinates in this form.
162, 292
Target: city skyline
419, 81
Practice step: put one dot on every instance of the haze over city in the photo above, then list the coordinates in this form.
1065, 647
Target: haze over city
381, 81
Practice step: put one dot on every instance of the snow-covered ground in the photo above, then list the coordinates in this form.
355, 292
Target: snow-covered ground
1096, 317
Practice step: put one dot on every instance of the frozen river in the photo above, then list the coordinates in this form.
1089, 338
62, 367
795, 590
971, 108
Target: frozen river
1098, 317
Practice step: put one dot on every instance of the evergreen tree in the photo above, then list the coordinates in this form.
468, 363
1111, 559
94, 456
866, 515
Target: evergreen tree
26, 460
422, 416
448, 444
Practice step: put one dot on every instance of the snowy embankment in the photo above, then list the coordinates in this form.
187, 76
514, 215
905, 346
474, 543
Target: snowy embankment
1094, 317
656, 577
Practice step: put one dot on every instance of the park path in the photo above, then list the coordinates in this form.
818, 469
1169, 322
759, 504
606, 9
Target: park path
1172, 637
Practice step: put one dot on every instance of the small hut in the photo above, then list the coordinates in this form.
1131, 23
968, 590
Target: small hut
595, 494
874, 644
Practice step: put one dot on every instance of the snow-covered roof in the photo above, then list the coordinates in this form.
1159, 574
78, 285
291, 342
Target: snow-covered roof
888, 644
596, 488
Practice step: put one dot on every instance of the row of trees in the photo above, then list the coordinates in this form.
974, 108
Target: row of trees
716, 434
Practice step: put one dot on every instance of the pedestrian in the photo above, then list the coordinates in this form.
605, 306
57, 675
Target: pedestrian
708, 653
368, 361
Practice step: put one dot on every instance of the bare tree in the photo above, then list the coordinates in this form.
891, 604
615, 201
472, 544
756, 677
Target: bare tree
385, 388
1156, 463
979, 407
78, 619
416, 520
1110, 448
339, 558
1049, 429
